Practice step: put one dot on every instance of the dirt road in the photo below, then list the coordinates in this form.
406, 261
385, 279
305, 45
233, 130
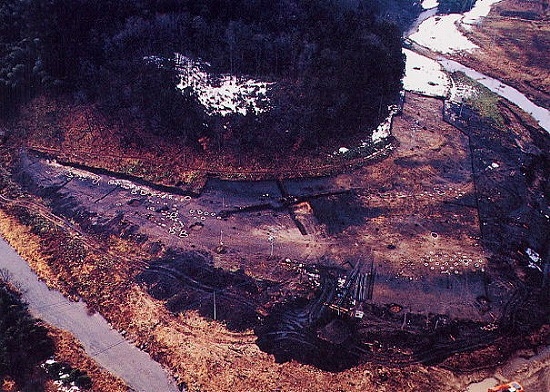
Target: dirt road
100, 341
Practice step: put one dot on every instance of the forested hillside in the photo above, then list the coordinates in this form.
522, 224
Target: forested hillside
335, 65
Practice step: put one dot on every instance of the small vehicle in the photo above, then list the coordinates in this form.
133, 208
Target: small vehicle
512, 386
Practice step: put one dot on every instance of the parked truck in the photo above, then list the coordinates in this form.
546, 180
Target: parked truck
512, 386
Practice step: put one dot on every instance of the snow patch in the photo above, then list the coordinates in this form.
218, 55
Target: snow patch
535, 259
343, 150
378, 135
222, 94
440, 34
429, 4
424, 75
533, 255
480, 10
460, 92
383, 131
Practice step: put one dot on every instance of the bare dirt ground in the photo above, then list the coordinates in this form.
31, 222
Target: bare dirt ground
515, 41
240, 285
426, 230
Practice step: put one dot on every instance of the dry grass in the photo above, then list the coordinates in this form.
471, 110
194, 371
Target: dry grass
515, 50
81, 134
27, 245
70, 350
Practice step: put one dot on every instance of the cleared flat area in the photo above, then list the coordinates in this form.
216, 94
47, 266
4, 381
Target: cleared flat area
100, 341
437, 220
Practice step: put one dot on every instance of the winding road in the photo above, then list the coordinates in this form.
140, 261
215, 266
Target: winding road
102, 343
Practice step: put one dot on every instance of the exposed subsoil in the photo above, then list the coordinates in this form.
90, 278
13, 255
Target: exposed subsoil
417, 258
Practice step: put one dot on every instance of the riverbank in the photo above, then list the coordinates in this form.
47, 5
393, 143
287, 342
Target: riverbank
514, 40
451, 36
540, 115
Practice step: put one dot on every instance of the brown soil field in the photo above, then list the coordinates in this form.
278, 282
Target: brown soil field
403, 269
426, 229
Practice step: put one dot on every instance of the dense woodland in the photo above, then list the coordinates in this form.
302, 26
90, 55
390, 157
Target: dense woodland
336, 64
455, 6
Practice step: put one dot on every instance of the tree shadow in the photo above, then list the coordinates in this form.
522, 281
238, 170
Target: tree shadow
340, 212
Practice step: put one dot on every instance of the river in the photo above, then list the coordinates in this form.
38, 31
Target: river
540, 114
102, 343
430, 31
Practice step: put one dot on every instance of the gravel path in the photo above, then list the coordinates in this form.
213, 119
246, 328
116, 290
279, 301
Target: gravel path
101, 342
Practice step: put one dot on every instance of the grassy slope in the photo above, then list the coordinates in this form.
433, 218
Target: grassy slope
515, 50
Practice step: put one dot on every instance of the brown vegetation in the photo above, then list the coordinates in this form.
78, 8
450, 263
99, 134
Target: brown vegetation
80, 134
69, 350
204, 354
515, 48
201, 353
398, 218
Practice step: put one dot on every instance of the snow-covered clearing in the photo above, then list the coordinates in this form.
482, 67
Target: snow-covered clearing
222, 94
424, 75
440, 34
429, 4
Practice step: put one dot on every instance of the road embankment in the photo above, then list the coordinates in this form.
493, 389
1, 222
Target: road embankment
100, 341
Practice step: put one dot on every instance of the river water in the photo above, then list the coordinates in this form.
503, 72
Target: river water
432, 39
102, 343
540, 114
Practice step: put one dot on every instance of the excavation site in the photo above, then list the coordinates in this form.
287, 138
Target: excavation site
428, 256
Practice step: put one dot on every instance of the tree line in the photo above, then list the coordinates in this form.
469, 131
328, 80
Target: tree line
455, 6
336, 64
